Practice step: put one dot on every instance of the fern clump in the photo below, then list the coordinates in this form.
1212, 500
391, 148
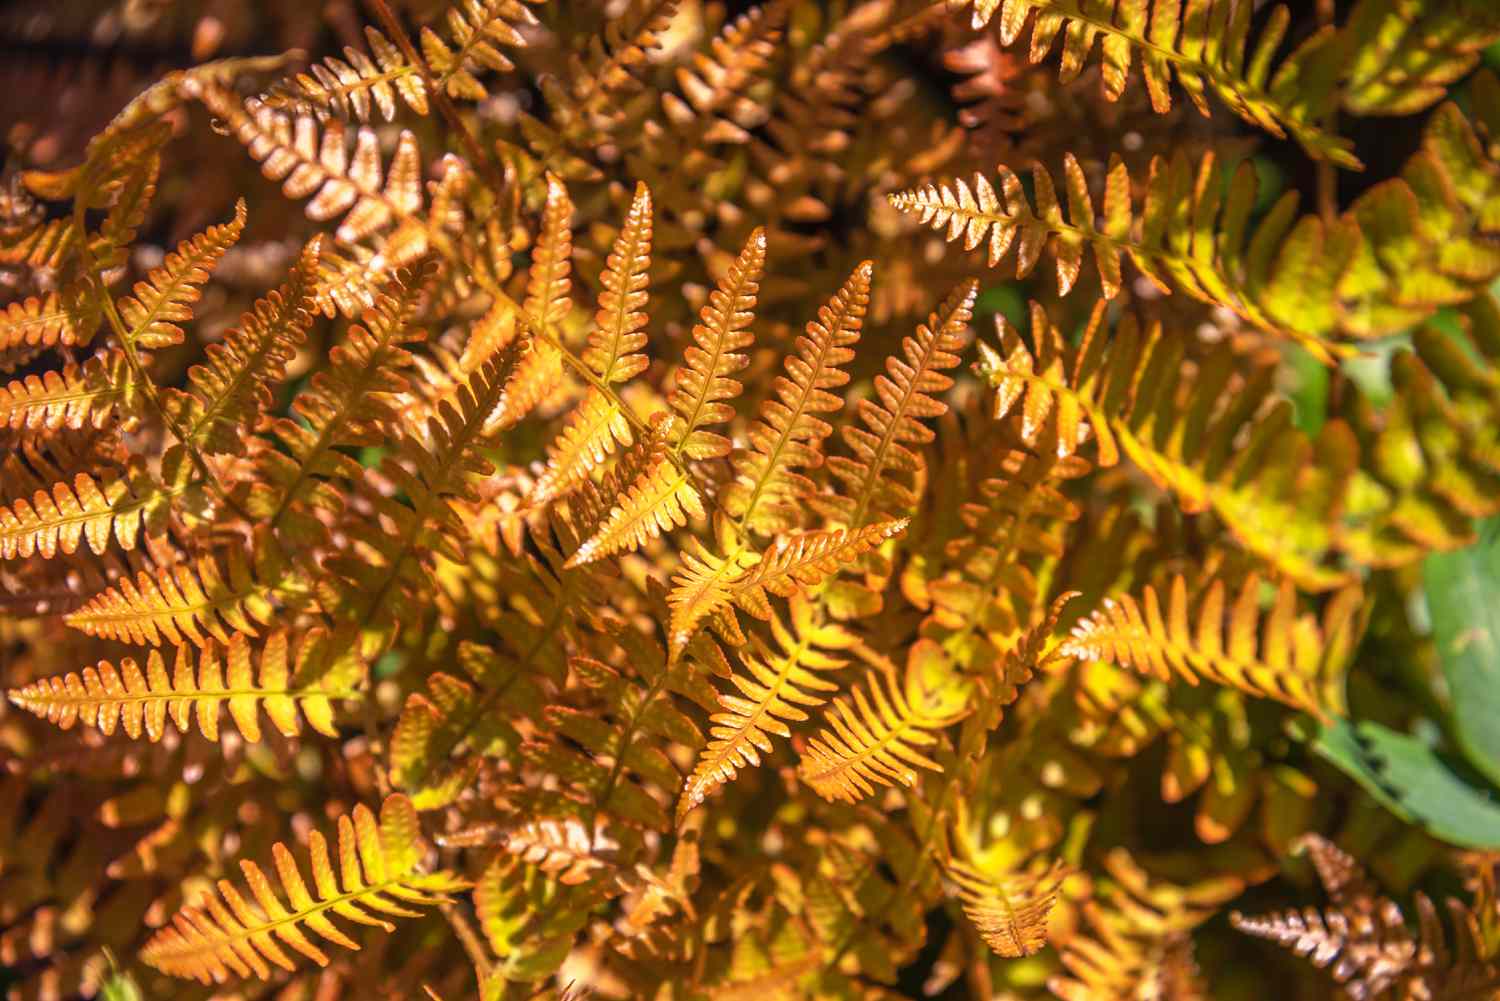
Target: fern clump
522, 499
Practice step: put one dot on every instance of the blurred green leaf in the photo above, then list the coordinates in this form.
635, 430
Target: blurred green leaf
1415, 782
1463, 598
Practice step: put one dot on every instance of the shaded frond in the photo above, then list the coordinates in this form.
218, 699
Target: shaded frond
1010, 912
876, 735
354, 86
192, 602
476, 29
774, 684
884, 477
233, 388
164, 299
1397, 59
706, 379
1206, 46
142, 702
380, 873
788, 433
1293, 659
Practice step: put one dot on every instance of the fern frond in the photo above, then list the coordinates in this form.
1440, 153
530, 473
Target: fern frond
1399, 60
475, 28
802, 562
1296, 661
1010, 912
233, 388
29, 327
705, 380
380, 872
590, 436
773, 684
661, 499
876, 736
788, 433
75, 396
182, 603
142, 703
614, 345
1204, 46
312, 160
164, 299
354, 86
893, 420
87, 508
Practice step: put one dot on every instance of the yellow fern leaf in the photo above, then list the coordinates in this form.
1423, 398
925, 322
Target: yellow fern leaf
613, 351
801, 562
1010, 912
142, 703
1295, 661
379, 873
661, 499
163, 300
590, 436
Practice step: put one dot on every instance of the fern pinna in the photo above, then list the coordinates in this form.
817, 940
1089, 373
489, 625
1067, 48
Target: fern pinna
602, 490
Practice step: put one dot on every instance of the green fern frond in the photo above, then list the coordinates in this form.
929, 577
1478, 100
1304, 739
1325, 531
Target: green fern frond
1205, 46
380, 873
1297, 661
143, 702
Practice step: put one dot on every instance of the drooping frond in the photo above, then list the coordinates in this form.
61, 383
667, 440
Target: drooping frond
883, 477
74, 396
773, 684
380, 872
661, 499
1362, 938
1294, 659
233, 388
86, 508
142, 702
311, 159
706, 379
164, 299
788, 433
1205, 46
876, 735
1009, 911
356, 85
192, 602
476, 29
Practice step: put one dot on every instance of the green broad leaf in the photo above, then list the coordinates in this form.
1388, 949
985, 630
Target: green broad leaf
1415, 782
1308, 390
1463, 598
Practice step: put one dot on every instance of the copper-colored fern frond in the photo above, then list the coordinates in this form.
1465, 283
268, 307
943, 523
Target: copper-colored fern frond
1206, 46
193, 602
35, 324
788, 433
142, 702
354, 86
164, 299
773, 686
87, 508
379, 872
1009, 911
705, 382
663, 498
1294, 660
802, 562
93, 394
475, 29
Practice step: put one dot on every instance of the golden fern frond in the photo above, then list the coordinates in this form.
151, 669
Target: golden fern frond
587, 440
659, 500
475, 27
1296, 660
182, 603
143, 702
893, 419
706, 379
31, 326
1204, 46
380, 872
875, 736
354, 86
75, 396
773, 684
312, 160
164, 299
788, 433
1010, 912
614, 345
233, 388
1399, 59
87, 508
